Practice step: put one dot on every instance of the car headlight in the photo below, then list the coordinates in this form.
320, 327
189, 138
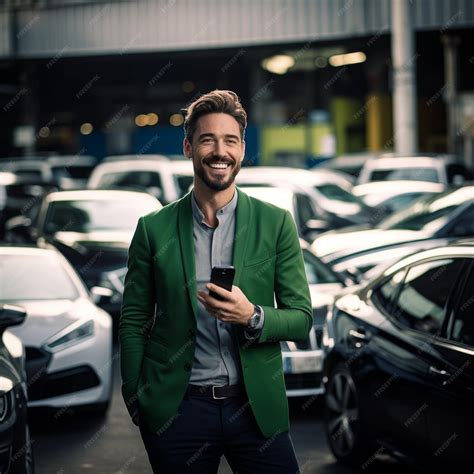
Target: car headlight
70, 336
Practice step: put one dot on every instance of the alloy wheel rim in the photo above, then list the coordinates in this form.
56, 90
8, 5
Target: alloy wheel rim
343, 413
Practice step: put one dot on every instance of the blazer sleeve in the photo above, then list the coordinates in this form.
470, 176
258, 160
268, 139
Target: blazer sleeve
293, 317
137, 313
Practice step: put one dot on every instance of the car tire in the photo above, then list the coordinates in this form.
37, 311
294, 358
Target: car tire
345, 433
25, 463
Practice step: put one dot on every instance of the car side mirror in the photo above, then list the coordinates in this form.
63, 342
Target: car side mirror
101, 295
11, 315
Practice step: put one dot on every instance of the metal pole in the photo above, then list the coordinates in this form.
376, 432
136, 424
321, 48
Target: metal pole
450, 44
405, 124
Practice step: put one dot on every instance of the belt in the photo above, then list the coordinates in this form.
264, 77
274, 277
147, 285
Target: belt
217, 392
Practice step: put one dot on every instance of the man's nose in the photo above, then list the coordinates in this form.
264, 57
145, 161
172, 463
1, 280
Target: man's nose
220, 149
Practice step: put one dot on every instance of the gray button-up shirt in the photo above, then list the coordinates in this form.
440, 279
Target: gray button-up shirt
216, 359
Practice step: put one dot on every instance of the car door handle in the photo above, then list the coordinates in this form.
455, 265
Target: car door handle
441, 373
359, 334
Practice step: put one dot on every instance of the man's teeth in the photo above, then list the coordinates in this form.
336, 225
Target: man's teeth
219, 165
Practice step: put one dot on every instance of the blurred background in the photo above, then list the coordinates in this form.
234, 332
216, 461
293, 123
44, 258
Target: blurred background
361, 124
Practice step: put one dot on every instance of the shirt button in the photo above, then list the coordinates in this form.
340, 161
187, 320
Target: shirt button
187, 367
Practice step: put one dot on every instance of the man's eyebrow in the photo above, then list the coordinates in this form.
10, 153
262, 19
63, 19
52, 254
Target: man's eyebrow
227, 135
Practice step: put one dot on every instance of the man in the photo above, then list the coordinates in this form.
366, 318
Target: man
201, 376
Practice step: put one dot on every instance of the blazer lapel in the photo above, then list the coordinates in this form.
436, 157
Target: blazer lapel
243, 216
185, 230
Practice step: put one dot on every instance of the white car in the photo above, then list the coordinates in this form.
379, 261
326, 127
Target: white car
67, 338
167, 180
444, 169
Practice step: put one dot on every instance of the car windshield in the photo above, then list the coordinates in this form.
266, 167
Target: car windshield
95, 215
138, 179
75, 172
316, 272
432, 211
34, 277
410, 174
333, 191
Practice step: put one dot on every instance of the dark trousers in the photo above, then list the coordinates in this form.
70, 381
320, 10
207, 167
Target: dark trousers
205, 429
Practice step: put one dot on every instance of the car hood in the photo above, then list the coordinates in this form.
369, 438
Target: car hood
324, 294
47, 317
109, 239
350, 241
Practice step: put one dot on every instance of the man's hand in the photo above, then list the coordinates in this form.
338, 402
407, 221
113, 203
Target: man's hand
136, 418
235, 307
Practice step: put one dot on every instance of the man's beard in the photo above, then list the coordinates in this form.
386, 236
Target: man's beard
217, 184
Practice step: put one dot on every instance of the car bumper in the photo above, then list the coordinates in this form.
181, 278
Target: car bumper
303, 373
76, 375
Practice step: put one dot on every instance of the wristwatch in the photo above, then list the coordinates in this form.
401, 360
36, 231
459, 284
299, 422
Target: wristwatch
255, 318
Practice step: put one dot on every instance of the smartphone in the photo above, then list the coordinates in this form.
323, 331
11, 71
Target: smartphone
223, 277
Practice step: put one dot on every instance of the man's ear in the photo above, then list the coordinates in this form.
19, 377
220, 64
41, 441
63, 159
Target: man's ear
243, 151
187, 148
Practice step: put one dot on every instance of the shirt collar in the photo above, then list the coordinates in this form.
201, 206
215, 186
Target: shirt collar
228, 209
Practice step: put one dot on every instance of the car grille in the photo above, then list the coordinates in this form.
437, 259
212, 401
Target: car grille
300, 381
42, 385
63, 382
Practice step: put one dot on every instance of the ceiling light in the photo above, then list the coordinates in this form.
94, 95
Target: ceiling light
278, 64
346, 59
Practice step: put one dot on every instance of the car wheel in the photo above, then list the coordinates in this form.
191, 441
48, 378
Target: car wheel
344, 431
24, 464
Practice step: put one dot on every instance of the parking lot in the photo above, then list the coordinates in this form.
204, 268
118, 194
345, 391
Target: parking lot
65, 443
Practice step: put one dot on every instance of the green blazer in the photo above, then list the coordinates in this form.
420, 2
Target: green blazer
157, 330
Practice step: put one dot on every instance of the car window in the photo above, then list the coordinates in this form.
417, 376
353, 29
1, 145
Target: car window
333, 191
395, 203
26, 278
463, 225
456, 169
304, 208
385, 294
95, 215
316, 271
137, 179
184, 181
421, 301
409, 174
462, 326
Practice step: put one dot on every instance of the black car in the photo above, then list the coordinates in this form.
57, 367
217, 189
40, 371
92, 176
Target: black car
399, 370
16, 453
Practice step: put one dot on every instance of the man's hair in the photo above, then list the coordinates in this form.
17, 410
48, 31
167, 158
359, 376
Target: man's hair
217, 101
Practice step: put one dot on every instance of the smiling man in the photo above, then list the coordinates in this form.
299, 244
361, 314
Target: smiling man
202, 377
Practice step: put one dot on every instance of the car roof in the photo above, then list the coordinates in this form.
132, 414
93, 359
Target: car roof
408, 161
25, 249
138, 165
297, 176
97, 194
402, 185
138, 157
72, 160
456, 250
